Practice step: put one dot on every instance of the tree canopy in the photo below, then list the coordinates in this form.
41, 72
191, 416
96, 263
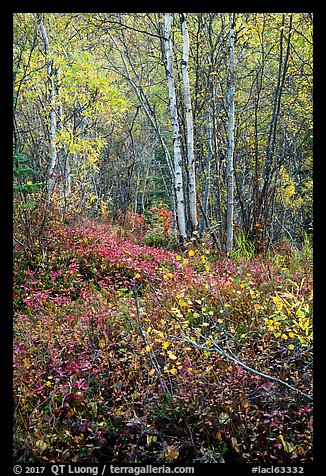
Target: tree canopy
163, 305
91, 113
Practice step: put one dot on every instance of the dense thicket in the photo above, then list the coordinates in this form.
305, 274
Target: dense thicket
162, 238
92, 120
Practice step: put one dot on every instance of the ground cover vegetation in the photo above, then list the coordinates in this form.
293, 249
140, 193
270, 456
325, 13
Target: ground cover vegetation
163, 238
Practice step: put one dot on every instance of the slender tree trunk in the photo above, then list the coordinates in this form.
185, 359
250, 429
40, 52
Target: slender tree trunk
190, 127
52, 115
178, 179
63, 160
264, 206
207, 169
230, 170
216, 180
150, 115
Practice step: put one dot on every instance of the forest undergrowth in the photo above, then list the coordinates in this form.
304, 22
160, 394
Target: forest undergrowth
130, 353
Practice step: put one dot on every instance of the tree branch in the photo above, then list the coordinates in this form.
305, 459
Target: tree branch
216, 348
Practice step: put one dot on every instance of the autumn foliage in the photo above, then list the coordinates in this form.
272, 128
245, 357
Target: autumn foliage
115, 352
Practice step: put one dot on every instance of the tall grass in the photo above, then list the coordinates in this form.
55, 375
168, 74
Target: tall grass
303, 255
245, 248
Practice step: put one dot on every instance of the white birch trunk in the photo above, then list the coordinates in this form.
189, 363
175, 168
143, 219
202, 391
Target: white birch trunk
178, 179
190, 127
230, 170
52, 114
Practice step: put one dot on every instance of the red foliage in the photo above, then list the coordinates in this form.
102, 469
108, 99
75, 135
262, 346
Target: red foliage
84, 376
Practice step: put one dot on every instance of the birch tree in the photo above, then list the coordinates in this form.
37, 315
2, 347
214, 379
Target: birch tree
51, 104
178, 179
230, 170
189, 126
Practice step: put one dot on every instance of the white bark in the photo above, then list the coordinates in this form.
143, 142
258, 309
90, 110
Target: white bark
178, 179
52, 114
230, 170
190, 126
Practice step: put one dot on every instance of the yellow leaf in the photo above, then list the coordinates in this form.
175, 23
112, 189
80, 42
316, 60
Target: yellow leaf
165, 345
185, 261
137, 275
41, 445
171, 453
178, 258
148, 348
173, 371
152, 372
191, 253
246, 403
171, 356
219, 435
287, 446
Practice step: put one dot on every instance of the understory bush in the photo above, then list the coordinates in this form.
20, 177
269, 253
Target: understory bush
130, 353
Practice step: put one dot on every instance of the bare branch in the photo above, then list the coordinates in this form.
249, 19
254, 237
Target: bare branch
216, 348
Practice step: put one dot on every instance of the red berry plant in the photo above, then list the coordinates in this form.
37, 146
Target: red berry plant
131, 352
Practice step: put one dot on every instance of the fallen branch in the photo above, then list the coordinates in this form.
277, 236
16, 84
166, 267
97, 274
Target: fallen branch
216, 348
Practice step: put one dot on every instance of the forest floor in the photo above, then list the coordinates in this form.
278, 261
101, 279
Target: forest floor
128, 353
